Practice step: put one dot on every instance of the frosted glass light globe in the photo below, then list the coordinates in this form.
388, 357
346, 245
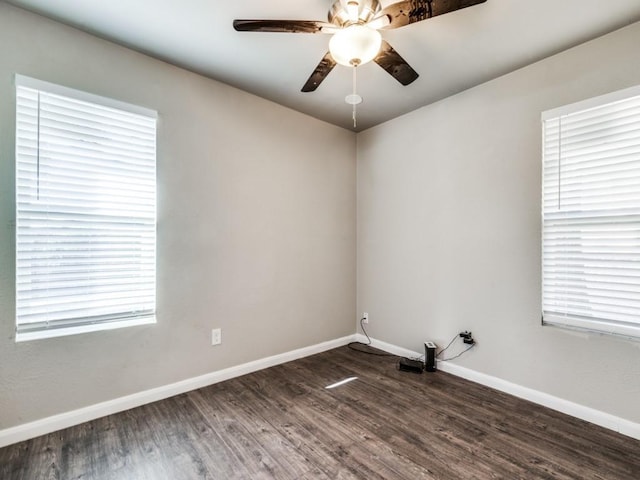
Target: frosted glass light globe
355, 45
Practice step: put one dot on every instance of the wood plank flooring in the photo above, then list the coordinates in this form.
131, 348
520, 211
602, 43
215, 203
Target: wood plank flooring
283, 423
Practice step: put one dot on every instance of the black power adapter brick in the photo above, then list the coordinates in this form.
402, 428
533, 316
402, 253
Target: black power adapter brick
408, 365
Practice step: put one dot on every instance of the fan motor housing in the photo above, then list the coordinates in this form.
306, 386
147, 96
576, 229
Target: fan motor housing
367, 10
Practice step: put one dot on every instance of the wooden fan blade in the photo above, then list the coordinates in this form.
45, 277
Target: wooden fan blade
320, 73
412, 11
395, 65
283, 26
379, 22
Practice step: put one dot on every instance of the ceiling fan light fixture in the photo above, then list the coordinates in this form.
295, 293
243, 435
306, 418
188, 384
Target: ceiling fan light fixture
355, 45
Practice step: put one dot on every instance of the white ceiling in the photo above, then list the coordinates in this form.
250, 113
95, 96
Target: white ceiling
451, 52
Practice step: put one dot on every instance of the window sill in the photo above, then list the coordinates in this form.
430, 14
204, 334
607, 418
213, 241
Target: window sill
75, 330
593, 326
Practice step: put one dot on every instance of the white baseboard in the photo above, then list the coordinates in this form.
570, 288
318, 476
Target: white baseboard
388, 347
64, 420
606, 420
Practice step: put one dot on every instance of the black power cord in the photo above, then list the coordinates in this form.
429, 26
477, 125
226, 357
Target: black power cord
467, 340
445, 348
352, 346
456, 356
367, 345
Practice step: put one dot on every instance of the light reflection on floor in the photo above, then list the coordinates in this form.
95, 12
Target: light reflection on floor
341, 382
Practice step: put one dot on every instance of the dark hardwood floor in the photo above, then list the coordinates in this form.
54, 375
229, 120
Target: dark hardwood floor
283, 423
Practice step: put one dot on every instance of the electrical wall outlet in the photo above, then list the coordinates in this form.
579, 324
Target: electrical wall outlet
365, 317
216, 336
467, 337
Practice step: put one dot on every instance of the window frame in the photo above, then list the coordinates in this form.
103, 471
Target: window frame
590, 324
73, 326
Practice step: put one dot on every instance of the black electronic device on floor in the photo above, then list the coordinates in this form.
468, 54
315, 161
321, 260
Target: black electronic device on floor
430, 357
408, 365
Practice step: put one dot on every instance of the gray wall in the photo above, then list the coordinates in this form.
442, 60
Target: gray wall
256, 228
449, 229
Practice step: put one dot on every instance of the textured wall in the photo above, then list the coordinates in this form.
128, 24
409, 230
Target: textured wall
256, 228
449, 229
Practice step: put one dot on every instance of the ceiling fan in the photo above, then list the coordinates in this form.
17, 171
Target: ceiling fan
356, 40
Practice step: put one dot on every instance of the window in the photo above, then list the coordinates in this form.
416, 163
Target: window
85, 212
591, 214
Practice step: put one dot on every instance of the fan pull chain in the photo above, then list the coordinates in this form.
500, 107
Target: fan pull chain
353, 98
355, 67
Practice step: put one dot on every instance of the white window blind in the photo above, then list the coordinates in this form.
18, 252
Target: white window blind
591, 214
85, 212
